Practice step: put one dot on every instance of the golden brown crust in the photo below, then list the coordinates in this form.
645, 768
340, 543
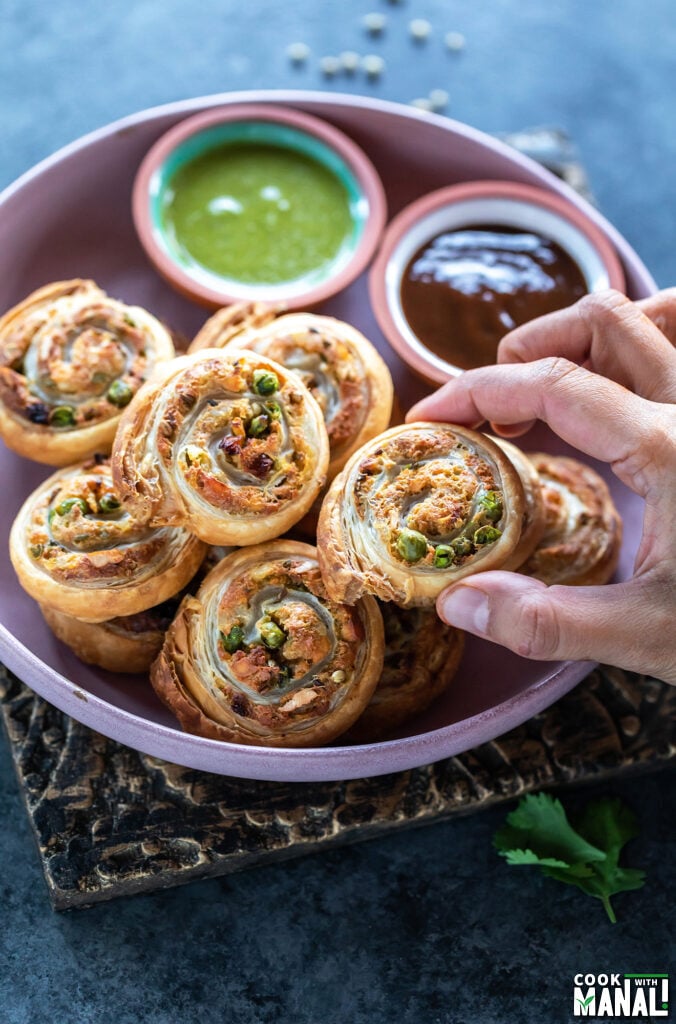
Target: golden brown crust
416, 509
231, 322
128, 644
422, 655
534, 512
583, 530
229, 444
75, 548
70, 359
261, 655
341, 368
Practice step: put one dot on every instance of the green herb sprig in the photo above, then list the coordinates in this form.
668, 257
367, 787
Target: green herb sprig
538, 832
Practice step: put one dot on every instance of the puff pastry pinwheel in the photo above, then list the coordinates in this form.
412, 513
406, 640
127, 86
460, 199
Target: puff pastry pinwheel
533, 526
75, 548
417, 508
422, 655
128, 644
340, 367
262, 656
232, 321
71, 358
583, 529
229, 444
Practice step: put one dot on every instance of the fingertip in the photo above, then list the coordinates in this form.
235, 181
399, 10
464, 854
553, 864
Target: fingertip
478, 605
512, 429
465, 607
510, 352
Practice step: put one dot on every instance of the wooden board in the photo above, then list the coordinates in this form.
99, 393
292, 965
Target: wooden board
112, 822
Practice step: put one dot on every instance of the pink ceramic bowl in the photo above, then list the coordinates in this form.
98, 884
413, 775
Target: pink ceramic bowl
414, 152
504, 203
279, 128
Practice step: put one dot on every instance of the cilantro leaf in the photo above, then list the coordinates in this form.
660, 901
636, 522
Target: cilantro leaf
610, 824
539, 825
539, 833
529, 857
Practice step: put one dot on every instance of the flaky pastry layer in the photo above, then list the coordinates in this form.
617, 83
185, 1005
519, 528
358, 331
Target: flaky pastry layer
341, 368
71, 359
422, 655
583, 530
76, 548
262, 656
229, 444
417, 508
127, 644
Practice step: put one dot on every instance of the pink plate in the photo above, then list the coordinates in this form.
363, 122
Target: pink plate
71, 217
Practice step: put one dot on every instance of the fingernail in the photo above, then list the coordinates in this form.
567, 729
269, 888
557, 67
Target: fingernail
466, 608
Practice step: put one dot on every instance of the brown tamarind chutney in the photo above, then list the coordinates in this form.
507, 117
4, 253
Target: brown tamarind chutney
463, 290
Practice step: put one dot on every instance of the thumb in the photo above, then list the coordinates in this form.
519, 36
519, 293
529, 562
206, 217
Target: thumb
557, 622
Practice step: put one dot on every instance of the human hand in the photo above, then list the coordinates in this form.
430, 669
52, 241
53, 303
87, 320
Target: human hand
602, 375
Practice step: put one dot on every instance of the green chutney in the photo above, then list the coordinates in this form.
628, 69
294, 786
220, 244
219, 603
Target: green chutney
258, 214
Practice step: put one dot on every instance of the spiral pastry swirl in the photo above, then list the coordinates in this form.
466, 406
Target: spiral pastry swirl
339, 366
229, 444
71, 358
416, 509
533, 524
422, 655
75, 548
583, 530
262, 656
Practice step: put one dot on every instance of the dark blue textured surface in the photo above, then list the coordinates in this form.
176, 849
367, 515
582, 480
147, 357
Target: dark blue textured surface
427, 926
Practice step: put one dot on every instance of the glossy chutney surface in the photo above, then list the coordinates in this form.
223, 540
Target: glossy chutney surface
463, 290
258, 214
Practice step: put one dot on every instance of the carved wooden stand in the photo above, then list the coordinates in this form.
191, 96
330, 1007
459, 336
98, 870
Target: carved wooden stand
111, 822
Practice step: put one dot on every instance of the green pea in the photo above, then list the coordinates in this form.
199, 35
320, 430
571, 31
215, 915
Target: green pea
119, 394
461, 546
109, 502
64, 507
265, 382
36, 550
62, 416
491, 503
258, 426
233, 640
274, 410
271, 635
411, 545
487, 535
444, 555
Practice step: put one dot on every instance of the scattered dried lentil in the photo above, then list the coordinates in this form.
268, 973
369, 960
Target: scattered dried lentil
350, 61
329, 66
454, 41
373, 65
419, 29
438, 99
374, 23
298, 53
422, 103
